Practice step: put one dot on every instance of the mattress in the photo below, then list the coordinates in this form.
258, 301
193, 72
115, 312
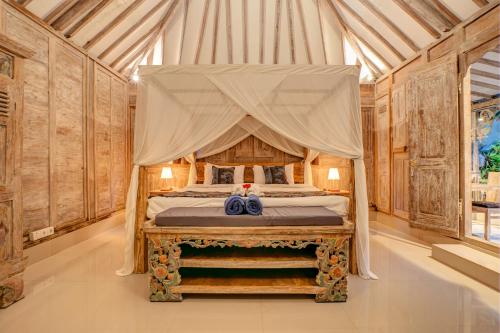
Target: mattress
271, 216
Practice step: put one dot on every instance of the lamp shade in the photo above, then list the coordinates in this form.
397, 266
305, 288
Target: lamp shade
333, 174
166, 173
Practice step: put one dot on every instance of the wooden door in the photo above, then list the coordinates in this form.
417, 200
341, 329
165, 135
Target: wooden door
432, 98
383, 159
400, 157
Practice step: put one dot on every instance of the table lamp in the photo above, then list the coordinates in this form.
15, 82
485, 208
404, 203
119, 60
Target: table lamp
333, 175
166, 173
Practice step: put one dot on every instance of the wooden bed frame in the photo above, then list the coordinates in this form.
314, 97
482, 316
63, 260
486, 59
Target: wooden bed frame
165, 244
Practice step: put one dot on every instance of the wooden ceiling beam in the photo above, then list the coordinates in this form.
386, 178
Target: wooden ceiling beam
394, 28
372, 30
110, 26
184, 25
304, 31
245, 30
277, 30
262, 19
134, 46
132, 29
445, 11
354, 43
422, 22
68, 18
481, 3
488, 62
87, 18
485, 85
480, 94
320, 19
290, 31
229, 33
155, 36
489, 75
24, 2
201, 35
216, 31
57, 12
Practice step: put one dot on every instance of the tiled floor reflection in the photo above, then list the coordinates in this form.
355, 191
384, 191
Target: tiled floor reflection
77, 291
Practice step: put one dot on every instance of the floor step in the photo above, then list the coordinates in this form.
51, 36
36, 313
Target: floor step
479, 265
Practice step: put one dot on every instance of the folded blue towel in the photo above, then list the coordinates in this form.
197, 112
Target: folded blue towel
234, 205
253, 205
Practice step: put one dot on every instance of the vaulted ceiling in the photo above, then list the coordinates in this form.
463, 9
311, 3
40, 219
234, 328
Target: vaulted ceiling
379, 33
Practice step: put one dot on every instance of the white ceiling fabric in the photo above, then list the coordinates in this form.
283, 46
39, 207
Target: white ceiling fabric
317, 107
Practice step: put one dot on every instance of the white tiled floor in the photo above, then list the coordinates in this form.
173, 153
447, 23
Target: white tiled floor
77, 291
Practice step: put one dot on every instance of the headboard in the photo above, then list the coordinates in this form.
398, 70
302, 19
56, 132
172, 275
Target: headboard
250, 152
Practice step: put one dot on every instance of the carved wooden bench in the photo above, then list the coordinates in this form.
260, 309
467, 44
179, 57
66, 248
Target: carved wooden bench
248, 260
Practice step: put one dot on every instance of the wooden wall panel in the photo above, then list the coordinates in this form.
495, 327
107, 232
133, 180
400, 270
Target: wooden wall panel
102, 137
118, 142
35, 160
399, 118
67, 146
485, 27
383, 160
400, 185
367, 114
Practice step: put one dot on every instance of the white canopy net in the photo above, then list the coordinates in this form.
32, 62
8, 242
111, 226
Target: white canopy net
189, 108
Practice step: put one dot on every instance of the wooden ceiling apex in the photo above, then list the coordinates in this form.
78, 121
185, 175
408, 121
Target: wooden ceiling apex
107, 29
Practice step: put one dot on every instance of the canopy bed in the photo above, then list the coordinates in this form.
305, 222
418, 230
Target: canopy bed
196, 111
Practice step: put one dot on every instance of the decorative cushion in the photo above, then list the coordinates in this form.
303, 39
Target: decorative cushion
222, 175
275, 175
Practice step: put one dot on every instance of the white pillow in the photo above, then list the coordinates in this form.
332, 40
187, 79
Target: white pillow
258, 174
239, 173
260, 178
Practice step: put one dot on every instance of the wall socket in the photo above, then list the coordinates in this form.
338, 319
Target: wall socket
35, 235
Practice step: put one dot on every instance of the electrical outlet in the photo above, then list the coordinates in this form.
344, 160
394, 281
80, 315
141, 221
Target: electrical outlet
35, 235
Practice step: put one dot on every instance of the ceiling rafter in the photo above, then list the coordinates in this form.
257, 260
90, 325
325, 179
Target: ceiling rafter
354, 44
485, 85
372, 30
24, 2
422, 22
229, 33
216, 31
320, 20
481, 3
134, 46
59, 11
262, 30
485, 74
110, 26
480, 94
69, 17
245, 31
87, 18
445, 11
488, 62
184, 24
291, 38
133, 28
431, 14
304, 31
394, 28
277, 28
202, 32
149, 46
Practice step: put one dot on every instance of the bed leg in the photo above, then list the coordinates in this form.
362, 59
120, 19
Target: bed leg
164, 267
333, 263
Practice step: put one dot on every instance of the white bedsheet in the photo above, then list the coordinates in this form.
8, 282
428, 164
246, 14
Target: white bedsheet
336, 203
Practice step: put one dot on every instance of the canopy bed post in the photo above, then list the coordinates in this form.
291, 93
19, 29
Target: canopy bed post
353, 265
140, 263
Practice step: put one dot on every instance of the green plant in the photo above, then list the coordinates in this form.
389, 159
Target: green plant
492, 160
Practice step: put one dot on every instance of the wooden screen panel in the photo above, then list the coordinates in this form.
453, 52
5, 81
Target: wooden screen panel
401, 184
399, 118
118, 142
383, 166
432, 98
68, 179
6, 229
35, 147
102, 137
367, 114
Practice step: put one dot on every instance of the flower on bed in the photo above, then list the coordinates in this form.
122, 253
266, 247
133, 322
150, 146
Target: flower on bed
247, 186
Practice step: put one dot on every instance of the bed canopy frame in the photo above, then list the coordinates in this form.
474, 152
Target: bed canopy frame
195, 111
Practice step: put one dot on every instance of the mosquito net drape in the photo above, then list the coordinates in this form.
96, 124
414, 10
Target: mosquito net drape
182, 109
